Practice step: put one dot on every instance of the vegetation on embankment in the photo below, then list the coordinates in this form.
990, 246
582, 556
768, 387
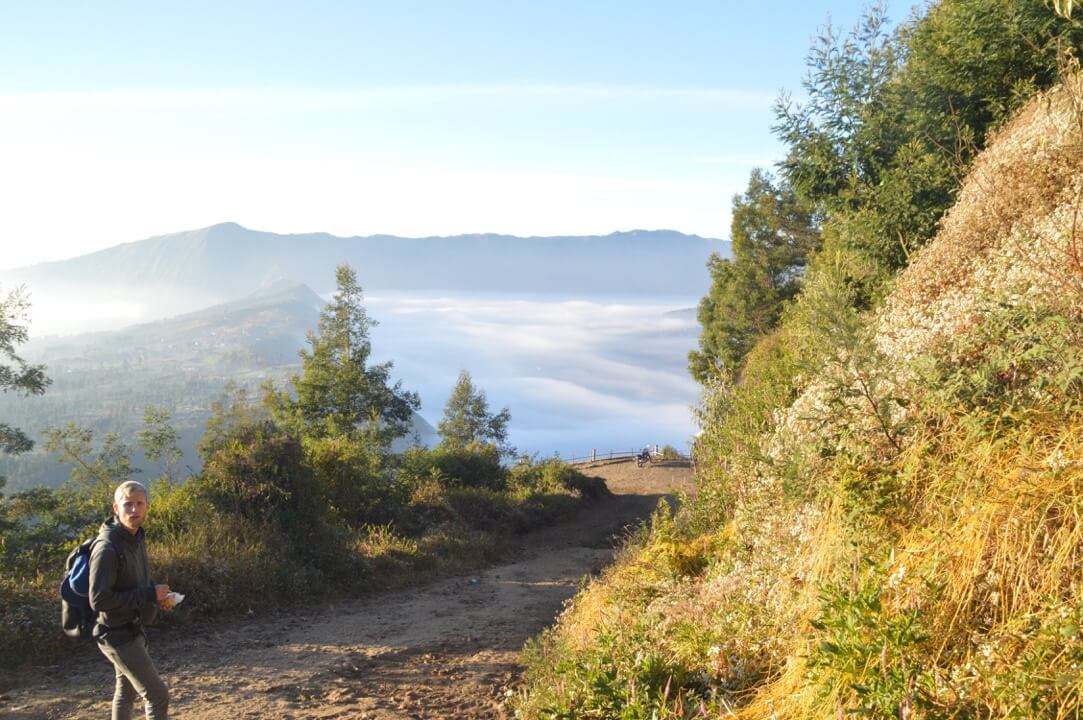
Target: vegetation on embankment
889, 510
299, 500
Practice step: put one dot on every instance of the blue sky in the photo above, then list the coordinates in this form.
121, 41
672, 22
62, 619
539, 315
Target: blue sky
124, 120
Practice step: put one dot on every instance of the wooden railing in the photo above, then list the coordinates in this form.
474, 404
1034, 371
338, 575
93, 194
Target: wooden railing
613, 456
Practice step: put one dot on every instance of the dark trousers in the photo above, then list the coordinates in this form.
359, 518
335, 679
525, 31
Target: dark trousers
136, 677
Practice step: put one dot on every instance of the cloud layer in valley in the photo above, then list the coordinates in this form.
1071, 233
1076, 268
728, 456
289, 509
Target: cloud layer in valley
577, 375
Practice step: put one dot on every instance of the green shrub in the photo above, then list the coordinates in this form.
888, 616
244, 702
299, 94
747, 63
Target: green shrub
669, 452
477, 465
554, 476
258, 472
351, 474
1019, 361
482, 509
874, 655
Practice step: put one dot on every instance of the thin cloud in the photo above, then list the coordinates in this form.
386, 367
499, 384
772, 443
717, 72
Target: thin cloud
359, 97
762, 161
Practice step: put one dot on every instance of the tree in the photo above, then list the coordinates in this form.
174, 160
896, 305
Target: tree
159, 440
95, 471
467, 418
16, 375
233, 410
772, 236
338, 392
892, 120
841, 138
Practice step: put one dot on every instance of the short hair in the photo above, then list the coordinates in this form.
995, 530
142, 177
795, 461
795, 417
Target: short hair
129, 487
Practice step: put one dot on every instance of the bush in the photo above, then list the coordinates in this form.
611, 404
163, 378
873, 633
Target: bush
669, 452
553, 476
359, 490
475, 466
258, 472
228, 565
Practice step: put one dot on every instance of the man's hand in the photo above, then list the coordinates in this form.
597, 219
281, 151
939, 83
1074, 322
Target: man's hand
161, 594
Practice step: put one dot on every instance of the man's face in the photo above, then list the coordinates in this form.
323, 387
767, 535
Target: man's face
131, 510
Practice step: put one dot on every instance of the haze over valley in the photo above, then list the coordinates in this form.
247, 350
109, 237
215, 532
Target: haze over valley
583, 338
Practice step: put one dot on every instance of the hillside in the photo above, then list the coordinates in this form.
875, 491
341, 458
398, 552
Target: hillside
265, 328
888, 520
104, 380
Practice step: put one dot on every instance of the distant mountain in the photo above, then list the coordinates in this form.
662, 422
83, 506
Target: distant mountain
227, 260
688, 314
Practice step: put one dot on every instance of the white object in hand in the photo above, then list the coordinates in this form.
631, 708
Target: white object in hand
176, 597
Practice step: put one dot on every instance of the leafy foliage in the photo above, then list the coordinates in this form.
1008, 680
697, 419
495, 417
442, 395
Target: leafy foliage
98, 470
159, 439
259, 473
16, 375
772, 236
467, 419
876, 152
358, 486
476, 465
338, 392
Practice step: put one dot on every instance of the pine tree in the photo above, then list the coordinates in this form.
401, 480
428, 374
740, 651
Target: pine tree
338, 392
773, 236
467, 419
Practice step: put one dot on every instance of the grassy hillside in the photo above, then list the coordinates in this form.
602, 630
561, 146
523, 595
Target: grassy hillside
889, 518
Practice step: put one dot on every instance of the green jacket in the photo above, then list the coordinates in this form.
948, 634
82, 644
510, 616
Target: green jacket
121, 590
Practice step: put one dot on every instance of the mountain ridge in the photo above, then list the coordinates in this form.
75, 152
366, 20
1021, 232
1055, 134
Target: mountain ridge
214, 232
206, 243
168, 275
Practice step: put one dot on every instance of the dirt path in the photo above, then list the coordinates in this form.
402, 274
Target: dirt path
448, 649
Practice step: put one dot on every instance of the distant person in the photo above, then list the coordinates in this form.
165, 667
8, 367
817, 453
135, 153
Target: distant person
644, 457
126, 600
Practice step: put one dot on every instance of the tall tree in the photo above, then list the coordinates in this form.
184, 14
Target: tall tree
772, 236
467, 418
841, 138
16, 375
95, 470
893, 119
158, 438
338, 392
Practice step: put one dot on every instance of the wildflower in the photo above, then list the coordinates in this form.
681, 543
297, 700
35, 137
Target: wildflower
896, 577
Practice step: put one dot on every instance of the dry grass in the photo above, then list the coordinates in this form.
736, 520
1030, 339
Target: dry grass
983, 543
1014, 231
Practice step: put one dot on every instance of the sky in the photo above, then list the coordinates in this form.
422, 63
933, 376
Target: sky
124, 120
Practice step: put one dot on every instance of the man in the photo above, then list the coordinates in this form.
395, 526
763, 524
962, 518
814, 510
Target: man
126, 599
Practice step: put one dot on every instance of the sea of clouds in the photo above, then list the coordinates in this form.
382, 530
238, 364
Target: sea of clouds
605, 374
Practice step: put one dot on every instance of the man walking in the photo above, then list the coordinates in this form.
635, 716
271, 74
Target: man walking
126, 599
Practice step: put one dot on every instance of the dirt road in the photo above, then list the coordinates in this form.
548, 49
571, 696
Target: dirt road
448, 649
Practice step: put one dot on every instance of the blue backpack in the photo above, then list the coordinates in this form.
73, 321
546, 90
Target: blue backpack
76, 616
